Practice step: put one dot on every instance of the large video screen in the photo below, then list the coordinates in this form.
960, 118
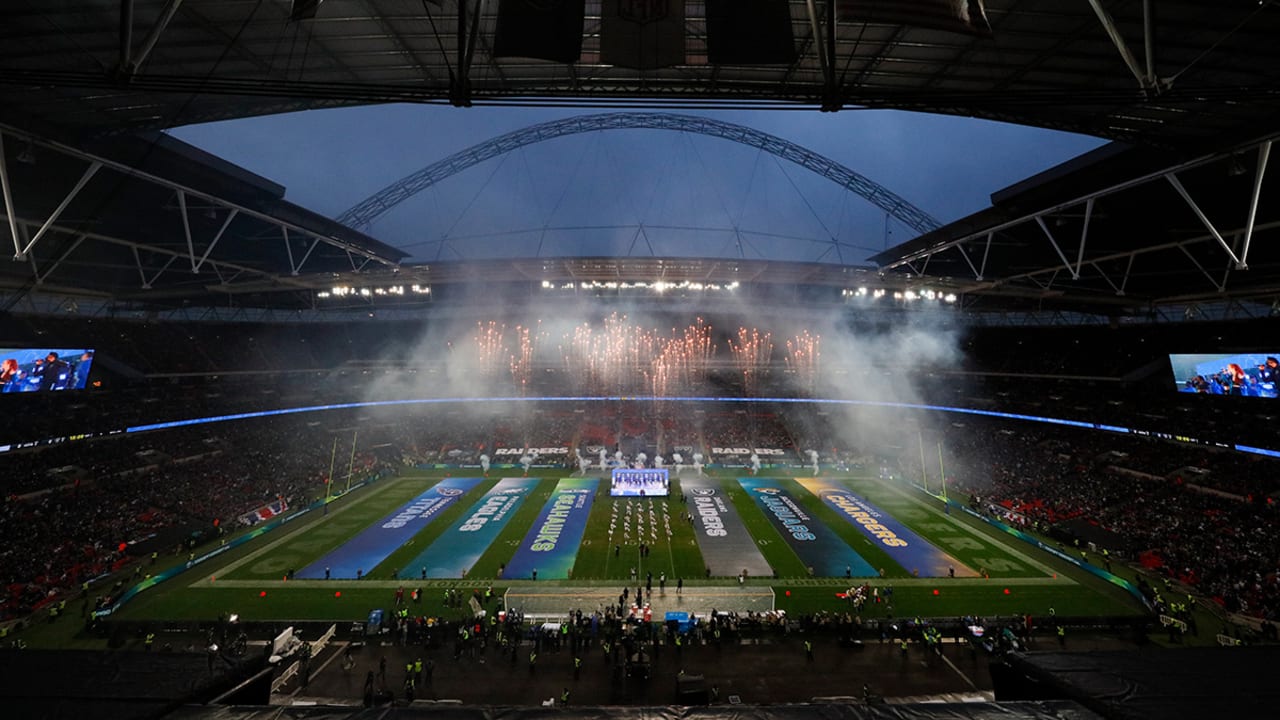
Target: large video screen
640, 482
1250, 374
44, 369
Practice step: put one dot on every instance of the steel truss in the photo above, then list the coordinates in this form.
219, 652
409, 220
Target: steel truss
27, 233
364, 213
1043, 279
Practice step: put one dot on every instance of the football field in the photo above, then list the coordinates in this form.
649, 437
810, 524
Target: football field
773, 542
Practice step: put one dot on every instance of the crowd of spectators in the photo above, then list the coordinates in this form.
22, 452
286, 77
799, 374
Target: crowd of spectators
1194, 512
122, 492
1202, 516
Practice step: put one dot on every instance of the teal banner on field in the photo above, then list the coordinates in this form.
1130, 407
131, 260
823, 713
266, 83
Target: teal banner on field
455, 551
813, 542
551, 547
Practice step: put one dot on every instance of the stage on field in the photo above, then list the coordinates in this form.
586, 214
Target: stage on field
558, 601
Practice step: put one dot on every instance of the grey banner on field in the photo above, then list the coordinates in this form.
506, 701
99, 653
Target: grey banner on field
727, 547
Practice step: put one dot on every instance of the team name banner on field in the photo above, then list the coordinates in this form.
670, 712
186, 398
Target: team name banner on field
459, 547
551, 547
727, 547
908, 549
813, 542
364, 551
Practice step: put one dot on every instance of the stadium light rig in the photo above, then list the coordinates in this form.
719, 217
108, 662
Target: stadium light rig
658, 286
902, 296
346, 291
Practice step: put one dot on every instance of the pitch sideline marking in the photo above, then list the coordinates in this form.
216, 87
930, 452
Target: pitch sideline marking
1048, 571
283, 538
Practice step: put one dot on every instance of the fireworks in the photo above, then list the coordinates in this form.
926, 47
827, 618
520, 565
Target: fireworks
803, 352
751, 354
491, 348
527, 341
618, 356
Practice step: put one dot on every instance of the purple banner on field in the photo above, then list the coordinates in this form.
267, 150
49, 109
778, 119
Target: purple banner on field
915, 554
363, 552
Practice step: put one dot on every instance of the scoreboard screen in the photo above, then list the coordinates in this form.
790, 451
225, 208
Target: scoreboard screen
640, 482
1244, 374
44, 369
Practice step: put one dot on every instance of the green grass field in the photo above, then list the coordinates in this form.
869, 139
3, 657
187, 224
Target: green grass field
251, 579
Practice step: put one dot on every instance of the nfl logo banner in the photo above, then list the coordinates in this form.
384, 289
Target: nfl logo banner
642, 34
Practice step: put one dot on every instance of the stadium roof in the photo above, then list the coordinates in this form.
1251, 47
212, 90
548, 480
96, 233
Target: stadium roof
1207, 74
1191, 88
1119, 230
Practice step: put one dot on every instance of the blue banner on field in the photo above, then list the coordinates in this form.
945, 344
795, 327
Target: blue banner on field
551, 547
459, 547
363, 552
908, 549
814, 543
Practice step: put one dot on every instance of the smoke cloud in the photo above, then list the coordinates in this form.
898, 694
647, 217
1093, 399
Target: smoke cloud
598, 347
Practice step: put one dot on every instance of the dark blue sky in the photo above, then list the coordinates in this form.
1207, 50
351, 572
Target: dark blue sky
592, 193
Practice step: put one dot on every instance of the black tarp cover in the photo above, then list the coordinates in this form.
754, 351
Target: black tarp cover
1193, 683
90, 685
1046, 710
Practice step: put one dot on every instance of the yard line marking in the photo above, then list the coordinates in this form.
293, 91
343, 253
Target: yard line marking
1012, 550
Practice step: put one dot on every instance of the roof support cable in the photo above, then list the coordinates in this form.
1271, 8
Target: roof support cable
153, 37
1149, 43
8, 200
1264, 153
1113, 32
473, 40
1084, 236
89, 172
1061, 255
829, 101
1262, 5
439, 43
1208, 224
126, 35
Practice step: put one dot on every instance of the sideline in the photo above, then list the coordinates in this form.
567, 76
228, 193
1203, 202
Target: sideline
1005, 547
276, 542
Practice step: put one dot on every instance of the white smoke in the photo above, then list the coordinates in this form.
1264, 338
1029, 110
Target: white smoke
879, 359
